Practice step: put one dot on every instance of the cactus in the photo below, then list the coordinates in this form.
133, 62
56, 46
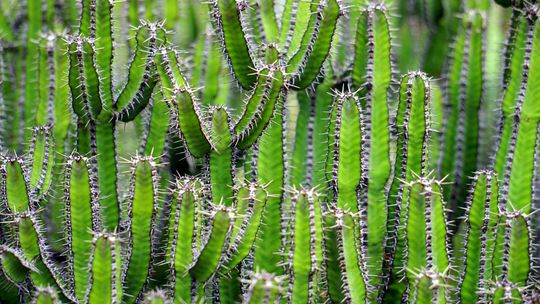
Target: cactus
262, 151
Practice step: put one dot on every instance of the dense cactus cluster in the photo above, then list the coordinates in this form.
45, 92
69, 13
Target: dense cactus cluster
267, 151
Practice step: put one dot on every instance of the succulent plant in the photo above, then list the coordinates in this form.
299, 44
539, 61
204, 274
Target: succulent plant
265, 151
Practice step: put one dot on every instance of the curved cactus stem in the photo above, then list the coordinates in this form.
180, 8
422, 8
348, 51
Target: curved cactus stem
263, 288
181, 100
226, 17
320, 45
82, 218
14, 266
251, 200
207, 261
83, 78
140, 225
105, 270
149, 37
35, 248
261, 106
140, 101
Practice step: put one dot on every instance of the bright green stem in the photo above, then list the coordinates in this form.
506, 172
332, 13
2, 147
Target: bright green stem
221, 159
251, 200
184, 225
105, 270
16, 185
425, 231
518, 175
413, 124
182, 102
42, 160
154, 143
305, 254
480, 220
465, 90
319, 45
82, 214
149, 36
210, 255
261, 106
271, 172
372, 74
347, 155
346, 251
15, 267
226, 14
140, 224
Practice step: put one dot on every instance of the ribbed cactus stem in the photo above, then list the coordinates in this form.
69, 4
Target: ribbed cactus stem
82, 219
305, 245
140, 224
413, 159
372, 74
104, 270
183, 237
464, 95
480, 220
